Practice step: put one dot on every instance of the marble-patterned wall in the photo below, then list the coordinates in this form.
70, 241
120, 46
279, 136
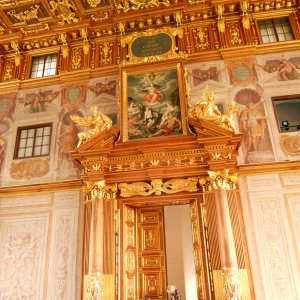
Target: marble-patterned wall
271, 210
40, 246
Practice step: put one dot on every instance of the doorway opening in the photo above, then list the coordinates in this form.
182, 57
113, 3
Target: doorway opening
181, 271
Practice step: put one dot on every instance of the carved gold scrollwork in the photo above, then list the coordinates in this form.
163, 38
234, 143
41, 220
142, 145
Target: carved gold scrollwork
219, 179
244, 5
15, 46
231, 283
221, 23
26, 15
157, 187
65, 11
201, 38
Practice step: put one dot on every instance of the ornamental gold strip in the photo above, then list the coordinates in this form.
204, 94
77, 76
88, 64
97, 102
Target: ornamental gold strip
157, 187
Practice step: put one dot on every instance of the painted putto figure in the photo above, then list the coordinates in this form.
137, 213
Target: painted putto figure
206, 109
98, 123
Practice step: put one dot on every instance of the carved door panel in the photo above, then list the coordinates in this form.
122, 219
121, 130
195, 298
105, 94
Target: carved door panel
151, 253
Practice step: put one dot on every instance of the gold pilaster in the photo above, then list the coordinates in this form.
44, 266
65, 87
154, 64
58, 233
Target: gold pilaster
219, 182
97, 193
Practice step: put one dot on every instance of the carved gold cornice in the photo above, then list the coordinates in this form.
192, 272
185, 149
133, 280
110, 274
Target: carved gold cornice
219, 180
157, 187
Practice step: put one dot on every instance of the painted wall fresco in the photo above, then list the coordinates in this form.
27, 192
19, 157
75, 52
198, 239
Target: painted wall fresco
252, 82
252, 123
51, 104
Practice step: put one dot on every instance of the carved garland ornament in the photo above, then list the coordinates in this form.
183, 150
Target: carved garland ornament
157, 187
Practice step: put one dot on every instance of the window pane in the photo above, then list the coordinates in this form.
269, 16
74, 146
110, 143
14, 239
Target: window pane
29, 142
21, 152
38, 141
47, 130
22, 143
31, 133
45, 150
46, 140
39, 131
23, 134
37, 151
28, 152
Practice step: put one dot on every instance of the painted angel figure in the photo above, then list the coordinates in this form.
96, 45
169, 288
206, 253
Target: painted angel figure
37, 101
98, 123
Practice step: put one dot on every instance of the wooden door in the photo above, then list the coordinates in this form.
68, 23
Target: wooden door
151, 253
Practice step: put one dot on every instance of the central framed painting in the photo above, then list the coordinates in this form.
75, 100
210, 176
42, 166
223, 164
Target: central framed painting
153, 103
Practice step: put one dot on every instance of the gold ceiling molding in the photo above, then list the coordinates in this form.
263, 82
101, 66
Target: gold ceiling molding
13, 3
45, 27
127, 5
26, 15
65, 11
157, 187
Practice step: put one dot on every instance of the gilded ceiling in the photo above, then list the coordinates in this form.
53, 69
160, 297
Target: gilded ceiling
34, 24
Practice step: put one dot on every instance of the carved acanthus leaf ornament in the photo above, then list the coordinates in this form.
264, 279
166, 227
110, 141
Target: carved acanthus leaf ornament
219, 180
101, 190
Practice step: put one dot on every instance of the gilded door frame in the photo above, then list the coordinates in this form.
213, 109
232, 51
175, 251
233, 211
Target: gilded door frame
128, 262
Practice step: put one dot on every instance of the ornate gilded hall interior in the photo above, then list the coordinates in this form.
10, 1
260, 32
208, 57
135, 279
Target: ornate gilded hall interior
149, 150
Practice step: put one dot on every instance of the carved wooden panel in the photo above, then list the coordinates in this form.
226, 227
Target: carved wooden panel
151, 253
129, 262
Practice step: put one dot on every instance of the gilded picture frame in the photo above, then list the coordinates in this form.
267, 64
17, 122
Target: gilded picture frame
153, 103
